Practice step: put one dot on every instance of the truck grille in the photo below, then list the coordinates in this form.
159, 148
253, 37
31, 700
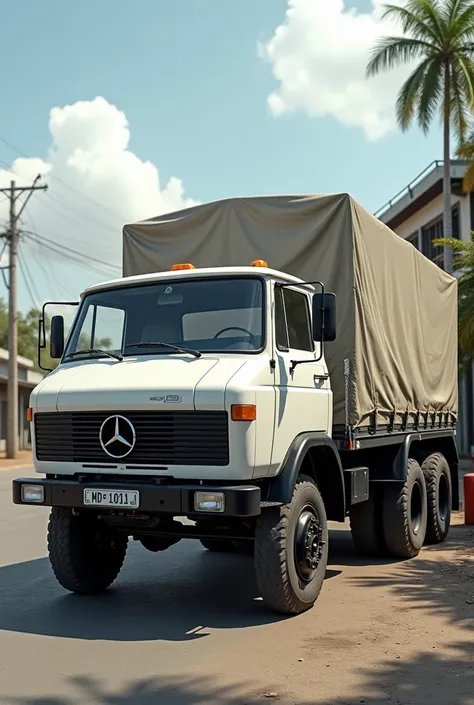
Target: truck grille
161, 437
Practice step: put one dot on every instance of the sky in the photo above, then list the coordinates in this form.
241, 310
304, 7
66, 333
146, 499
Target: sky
129, 110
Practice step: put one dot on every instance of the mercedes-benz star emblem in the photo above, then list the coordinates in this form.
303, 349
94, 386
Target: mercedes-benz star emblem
117, 436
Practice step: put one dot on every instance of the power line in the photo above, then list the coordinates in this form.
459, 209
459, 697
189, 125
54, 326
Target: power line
76, 220
74, 252
66, 252
29, 281
61, 181
81, 215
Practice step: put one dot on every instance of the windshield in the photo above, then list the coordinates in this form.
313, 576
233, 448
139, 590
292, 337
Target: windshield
202, 315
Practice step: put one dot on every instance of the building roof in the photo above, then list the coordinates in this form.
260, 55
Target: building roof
22, 361
27, 375
419, 192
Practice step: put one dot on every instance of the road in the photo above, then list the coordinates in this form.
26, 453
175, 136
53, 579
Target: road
187, 627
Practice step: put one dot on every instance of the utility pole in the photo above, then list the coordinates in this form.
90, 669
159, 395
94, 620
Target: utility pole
13, 236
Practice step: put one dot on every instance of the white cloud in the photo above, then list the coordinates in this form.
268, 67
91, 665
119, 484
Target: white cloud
96, 184
319, 54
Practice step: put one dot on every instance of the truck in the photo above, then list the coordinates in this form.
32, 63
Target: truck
211, 394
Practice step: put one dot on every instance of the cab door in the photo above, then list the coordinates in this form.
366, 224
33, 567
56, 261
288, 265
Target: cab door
303, 400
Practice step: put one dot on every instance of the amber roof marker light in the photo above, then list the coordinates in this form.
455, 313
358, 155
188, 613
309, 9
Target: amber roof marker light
179, 267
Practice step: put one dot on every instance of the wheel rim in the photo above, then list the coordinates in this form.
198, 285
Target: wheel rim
308, 543
443, 497
416, 507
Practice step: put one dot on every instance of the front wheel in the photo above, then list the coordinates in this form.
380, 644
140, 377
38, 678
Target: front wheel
291, 550
86, 555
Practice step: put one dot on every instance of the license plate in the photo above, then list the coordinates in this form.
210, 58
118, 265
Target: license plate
128, 499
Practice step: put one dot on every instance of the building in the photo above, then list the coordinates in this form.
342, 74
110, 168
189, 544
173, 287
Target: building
28, 378
416, 214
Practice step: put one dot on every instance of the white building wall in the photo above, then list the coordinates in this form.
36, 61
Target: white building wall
434, 210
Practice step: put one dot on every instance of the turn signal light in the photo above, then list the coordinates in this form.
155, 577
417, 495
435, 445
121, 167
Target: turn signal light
29, 414
178, 267
258, 263
243, 412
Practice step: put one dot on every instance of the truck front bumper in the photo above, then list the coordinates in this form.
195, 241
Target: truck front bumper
178, 500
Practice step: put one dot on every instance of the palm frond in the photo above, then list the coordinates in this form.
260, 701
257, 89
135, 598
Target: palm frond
463, 68
453, 243
410, 93
461, 26
468, 179
466, 149
393, 51
431, 92
455, 7
412, 23
459, 103
431, 13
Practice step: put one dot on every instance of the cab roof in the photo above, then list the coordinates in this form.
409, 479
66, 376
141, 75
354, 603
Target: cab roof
182, 274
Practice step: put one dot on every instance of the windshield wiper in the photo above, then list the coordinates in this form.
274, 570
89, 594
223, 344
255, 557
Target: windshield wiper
178, 348
95, 351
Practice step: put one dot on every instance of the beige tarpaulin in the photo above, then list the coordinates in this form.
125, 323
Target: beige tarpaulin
397, 311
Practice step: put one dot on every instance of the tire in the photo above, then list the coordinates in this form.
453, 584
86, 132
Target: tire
218, 545
405, 514
287, 582
366, 525
86, 555
440, 494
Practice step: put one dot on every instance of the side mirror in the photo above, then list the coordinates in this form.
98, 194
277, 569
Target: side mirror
56, 343
324, 317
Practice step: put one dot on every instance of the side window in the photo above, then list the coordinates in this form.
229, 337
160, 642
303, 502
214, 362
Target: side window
298, 320
280, 323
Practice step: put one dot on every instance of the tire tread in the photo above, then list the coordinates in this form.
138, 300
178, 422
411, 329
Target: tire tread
68, 562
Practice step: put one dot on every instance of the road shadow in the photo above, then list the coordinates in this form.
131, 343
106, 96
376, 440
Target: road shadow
429, 679
173, 596
178, 595
169, 691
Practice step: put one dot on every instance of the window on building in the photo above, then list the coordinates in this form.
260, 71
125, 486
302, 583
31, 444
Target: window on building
413, 239
433, 231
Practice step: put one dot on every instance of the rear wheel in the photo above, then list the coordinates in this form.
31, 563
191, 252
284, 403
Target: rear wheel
291, 550
86, 555
405, 513
439, 492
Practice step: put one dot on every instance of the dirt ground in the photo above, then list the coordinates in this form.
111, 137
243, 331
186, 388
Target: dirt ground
22, 460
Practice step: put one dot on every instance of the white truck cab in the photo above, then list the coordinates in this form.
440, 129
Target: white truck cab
202, 345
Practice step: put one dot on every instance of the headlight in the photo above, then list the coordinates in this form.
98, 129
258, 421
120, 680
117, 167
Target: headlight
209, 502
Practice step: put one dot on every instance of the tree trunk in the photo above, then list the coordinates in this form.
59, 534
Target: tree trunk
447, 214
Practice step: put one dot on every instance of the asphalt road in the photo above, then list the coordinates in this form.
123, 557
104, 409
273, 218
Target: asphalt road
187, 627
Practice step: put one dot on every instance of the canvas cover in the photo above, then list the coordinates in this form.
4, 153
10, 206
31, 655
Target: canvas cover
396, 310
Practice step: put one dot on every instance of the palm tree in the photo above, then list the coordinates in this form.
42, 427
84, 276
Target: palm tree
439, 34
464, 262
